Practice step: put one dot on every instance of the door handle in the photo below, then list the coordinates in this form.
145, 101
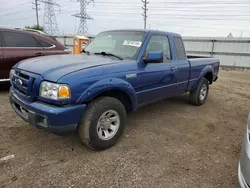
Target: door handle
174, 68
39, 54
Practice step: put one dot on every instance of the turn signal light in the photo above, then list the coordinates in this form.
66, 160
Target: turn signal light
64, 92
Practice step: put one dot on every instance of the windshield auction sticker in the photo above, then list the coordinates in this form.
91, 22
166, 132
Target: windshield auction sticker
132, 43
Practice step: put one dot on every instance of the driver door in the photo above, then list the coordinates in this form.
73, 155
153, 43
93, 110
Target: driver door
156, 80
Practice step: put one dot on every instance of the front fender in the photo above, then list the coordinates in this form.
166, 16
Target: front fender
106, 85
204, 71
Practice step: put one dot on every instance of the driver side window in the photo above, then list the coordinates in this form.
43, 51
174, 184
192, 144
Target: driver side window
159, 43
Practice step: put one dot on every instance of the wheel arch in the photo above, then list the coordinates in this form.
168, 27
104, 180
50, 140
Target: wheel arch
112, 87
207, 72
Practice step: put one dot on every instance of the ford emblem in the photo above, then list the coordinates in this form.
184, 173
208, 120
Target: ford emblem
18, 82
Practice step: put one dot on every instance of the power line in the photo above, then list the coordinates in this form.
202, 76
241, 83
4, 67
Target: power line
178, 2
17, 13
14, 13
175, 5
198, 26
194, 16
23, 18
202, 15
174, 24
197, 18
107, 21
9, 1
16, 16
170, 17
116, 5
161, 13
203, 2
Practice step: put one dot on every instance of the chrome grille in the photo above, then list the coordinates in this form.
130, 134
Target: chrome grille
23, 82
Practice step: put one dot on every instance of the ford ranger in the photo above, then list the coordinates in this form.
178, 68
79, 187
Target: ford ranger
120, 71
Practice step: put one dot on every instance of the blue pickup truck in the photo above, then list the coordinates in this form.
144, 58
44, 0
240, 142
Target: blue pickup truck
118, 72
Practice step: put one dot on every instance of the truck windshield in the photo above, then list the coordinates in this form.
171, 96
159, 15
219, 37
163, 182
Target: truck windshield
123, 44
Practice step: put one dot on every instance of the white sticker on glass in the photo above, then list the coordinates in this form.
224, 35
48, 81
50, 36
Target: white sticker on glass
132, 43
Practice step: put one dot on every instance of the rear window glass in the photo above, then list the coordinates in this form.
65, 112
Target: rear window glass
44, 44
1, 39
13, 39
180, 50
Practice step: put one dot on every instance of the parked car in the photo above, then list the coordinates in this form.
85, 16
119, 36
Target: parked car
17, 45
118, 72
244, 164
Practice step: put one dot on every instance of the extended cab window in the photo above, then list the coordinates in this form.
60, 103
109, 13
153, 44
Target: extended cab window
14, 39
180, 50
159, 43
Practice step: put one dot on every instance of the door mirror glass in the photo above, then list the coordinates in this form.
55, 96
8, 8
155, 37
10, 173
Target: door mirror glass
154, 57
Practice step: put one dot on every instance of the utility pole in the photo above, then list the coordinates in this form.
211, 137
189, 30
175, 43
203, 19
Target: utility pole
49, 18
241, 33
37, 18
83, 28
145, 9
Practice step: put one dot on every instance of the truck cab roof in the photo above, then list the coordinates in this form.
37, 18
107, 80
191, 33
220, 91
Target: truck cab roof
156, 32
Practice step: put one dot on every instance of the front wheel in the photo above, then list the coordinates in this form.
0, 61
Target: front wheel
103, 123
199, 95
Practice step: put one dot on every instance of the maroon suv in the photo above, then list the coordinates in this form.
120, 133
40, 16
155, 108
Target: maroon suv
16, 45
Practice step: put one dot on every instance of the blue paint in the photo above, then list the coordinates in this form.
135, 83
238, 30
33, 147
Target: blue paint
88, 76
153, 57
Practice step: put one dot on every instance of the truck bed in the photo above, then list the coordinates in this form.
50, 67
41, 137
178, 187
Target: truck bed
198, 64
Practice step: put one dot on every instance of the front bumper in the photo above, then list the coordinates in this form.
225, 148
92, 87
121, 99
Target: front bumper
59, 120
241, 179
244, 165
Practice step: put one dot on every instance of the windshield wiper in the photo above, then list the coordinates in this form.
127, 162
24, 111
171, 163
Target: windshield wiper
108, 54
86, 52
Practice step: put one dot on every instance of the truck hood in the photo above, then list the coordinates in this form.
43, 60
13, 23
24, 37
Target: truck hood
56, 66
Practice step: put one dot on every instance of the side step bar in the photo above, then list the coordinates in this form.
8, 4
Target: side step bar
4, 80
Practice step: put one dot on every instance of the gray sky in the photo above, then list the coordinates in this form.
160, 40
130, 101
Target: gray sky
187, 17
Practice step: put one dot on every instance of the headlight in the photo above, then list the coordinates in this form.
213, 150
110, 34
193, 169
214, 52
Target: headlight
54, 91
12, 71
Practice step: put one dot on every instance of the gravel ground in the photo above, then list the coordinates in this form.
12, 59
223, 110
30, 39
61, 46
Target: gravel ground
167, 144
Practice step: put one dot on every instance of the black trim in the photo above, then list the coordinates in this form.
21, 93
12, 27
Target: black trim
34, 119
1, 39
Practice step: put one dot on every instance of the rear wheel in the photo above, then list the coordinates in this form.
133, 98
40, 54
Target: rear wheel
199, 95
103, 123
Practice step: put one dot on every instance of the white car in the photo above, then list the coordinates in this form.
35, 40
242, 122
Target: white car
244, 165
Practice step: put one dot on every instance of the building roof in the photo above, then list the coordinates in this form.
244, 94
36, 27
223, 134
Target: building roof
81, 37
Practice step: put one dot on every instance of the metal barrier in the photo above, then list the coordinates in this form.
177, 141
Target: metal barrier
232, 52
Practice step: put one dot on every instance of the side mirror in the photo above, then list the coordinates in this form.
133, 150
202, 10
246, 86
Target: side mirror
153, 57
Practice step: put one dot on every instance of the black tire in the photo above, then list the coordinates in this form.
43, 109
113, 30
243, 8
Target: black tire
87, 129
194, 96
